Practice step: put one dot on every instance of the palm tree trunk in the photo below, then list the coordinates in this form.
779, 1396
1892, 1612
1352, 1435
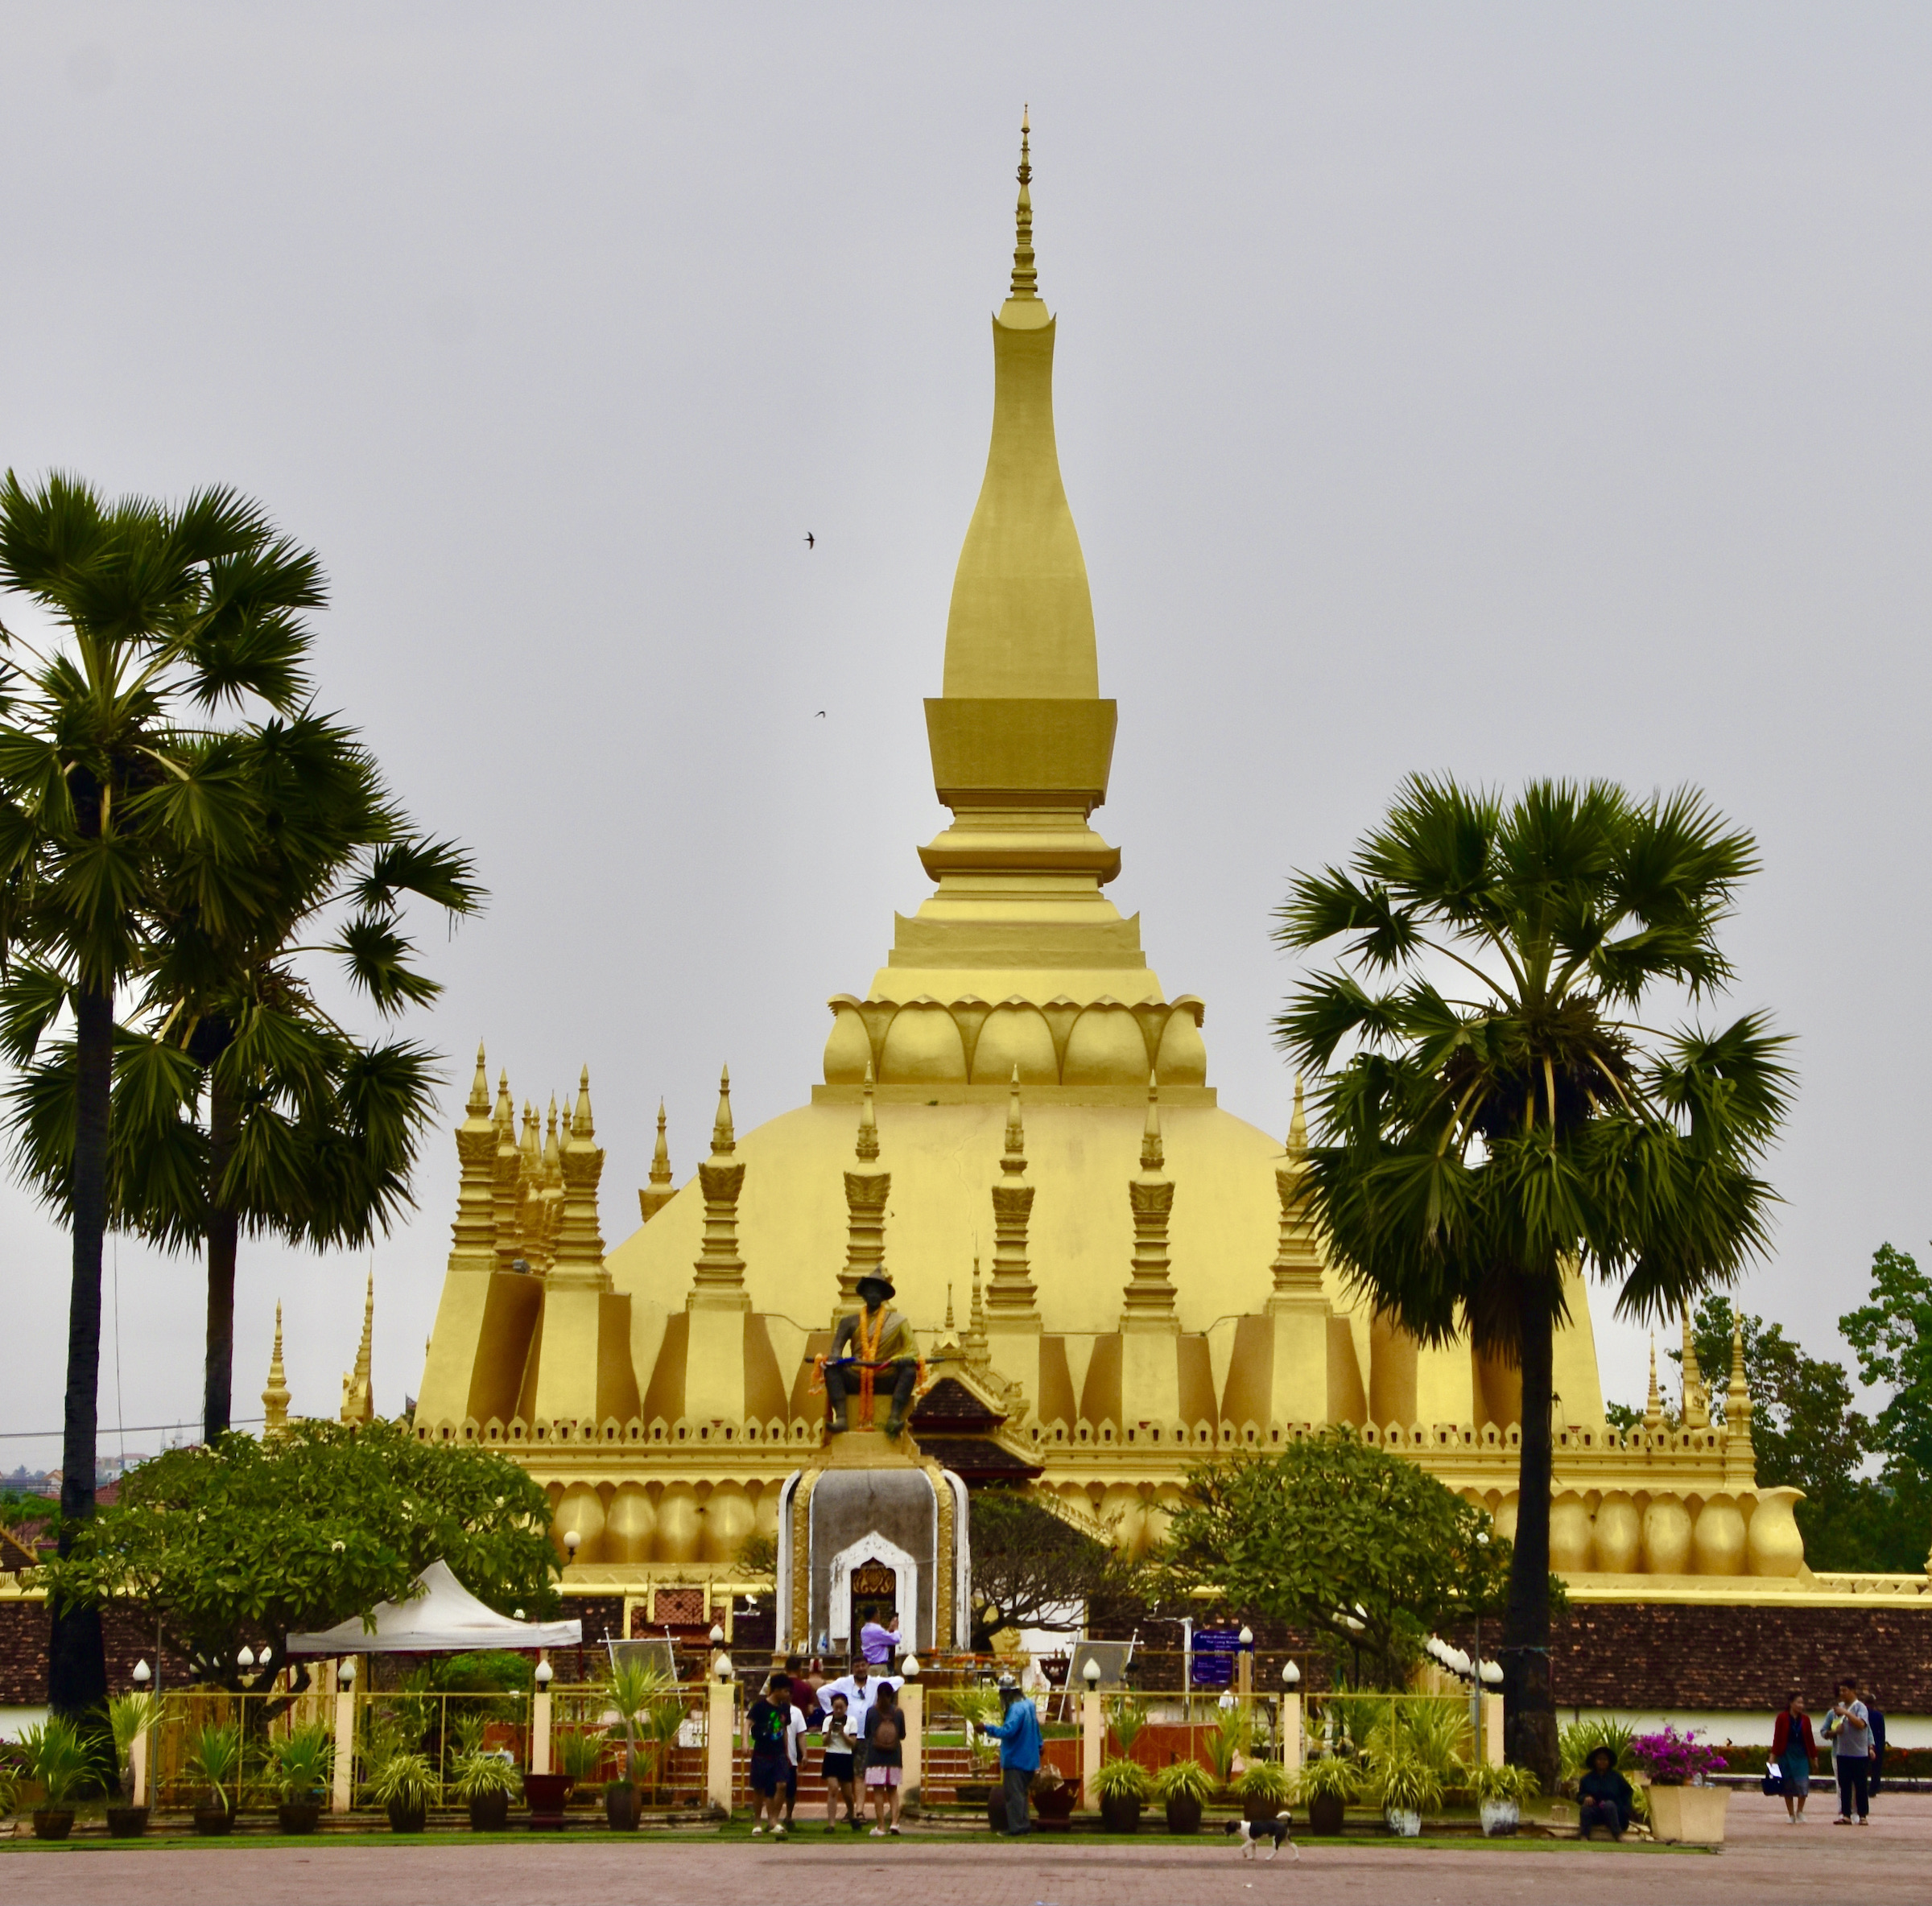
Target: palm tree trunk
77, 1666
1529, 1707
224, 1227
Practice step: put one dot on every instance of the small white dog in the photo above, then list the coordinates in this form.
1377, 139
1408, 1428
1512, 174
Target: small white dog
1251, 1834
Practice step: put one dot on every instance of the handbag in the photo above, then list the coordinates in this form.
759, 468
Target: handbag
1774, 1782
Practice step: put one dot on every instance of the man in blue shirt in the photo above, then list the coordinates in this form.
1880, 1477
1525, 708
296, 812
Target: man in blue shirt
1018, 1733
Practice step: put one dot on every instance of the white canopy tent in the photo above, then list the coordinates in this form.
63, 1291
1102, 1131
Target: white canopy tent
444, 1618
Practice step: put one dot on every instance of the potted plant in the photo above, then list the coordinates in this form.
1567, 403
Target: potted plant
1405, 1787
1326, 1786
579, 1754
402, 1784
214, 1758
663, 1721
55, 1755
1684, 1807
1501, 1794
130, 1718
1127, 1717
1123, 1788
1227, 1742
634, 1686
1184, 1788
1263, 1790
301, 1764
1054, 1799
486, 1784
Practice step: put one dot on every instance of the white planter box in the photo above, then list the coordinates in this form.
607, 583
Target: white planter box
1689, 1814
1499, 1817
1405, 1823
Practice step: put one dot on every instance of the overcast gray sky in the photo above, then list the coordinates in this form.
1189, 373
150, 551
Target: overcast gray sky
1506, 390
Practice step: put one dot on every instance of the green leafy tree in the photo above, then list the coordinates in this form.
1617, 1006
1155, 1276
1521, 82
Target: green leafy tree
1892, 1337
159, 617
1337, 1537
243, 1537
1495, 1109
1032, 1569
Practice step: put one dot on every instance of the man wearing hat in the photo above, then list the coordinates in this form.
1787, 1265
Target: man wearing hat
877, 1336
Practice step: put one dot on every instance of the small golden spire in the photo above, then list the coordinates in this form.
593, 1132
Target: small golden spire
1026, 279
1696, 1412
948, 1327
718, 1280
724, 1141
275, 1398
1298, 1126
504, 1116
1152, 1156
661, 1190
358, 1402
868, 1146
1653, 1404
479, 1091
580, 1126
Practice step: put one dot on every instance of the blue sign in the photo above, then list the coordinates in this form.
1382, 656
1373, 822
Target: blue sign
1215, 1650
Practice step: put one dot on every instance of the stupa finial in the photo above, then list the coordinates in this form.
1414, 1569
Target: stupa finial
652, 1198
1026, 279
1653, 1404
478, 1106
1152, 1157
1298, 1126
275, 1398
358, 1402
724, 1141
868, 1146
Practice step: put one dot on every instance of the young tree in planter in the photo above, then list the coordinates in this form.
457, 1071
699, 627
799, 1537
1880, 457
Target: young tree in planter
159, 615
1338, 1538
1032, 1569
242, 1538
1495, 1109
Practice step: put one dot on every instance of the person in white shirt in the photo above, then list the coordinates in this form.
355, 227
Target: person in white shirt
861, 1688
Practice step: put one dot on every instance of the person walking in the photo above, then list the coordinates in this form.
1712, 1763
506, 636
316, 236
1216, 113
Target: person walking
768, 1722
838, 1768
1792, 1749
885, 1759
1848, 1728
1876, 1721
1017, 1731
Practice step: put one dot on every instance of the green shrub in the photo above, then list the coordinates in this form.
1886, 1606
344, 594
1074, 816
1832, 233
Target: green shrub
1228, 1741
479, 1775
579, 1754
1183, 1779
129, 1718
1575, 1745
214, 1758
1518, 1784
1263, 1780
54, 1754
1127, 1717
1403, 1781
402, 1780
1436, 1731
1332, 1774
1123, 1780
302, 1761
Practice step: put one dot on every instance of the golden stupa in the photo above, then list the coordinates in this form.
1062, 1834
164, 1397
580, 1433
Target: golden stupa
1015, 1076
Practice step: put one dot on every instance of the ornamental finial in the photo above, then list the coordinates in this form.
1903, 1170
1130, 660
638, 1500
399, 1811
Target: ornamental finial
1026, 279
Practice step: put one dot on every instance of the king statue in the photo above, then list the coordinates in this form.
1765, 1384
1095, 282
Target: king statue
870, 1342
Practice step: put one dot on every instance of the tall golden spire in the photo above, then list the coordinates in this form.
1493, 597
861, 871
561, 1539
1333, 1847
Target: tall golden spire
1012, 1295
579, 1253
719, 1278
358, 1399
275, 1398
507, 1169
1653, 1404
1298, 1268
473, 1235
1026, 280
1740, 1458
1151, 1290
867, 1188
651, 1199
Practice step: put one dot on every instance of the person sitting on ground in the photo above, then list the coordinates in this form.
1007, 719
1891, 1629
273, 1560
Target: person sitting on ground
768, 1722
879, 1641
1792, 1747
885, 1759
837, 1769
1017, 1730
1605, 1798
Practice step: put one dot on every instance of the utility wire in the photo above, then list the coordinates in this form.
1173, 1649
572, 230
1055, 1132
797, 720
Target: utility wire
120, 1429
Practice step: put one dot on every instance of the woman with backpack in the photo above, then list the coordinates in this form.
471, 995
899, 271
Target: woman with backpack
885, 1760
1792, 1748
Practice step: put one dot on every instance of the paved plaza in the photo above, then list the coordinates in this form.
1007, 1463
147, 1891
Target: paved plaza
1764, 1860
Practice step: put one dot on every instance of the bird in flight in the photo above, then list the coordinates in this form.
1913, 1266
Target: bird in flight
819, 717
811, 540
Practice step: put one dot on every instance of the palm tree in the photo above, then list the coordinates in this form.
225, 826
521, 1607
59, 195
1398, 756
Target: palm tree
158, 614
1494, 1111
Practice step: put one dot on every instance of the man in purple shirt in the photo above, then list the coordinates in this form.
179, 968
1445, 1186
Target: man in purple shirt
879, 1643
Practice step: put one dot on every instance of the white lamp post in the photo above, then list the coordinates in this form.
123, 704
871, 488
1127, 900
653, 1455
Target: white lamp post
345, 1674
910, 1667
246, 1659
546, 1674
1091, 1674
143, 1674
1291, 1676
573, 1541
724, 1667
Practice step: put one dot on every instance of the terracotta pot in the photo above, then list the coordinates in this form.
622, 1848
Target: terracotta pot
621, 1807
1326, 1813
214, 1822
126, 1823
489, 1813
53, 1823
1120, 1813
1057, 1803
1184, 1813
405, 1819
298, 1816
